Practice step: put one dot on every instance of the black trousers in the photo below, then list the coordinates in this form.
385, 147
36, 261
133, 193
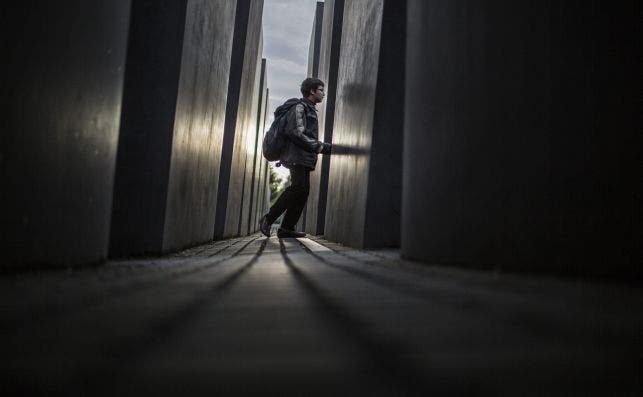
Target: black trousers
293, 199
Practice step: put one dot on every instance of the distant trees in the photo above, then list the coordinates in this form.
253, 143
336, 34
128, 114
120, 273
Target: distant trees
276, 185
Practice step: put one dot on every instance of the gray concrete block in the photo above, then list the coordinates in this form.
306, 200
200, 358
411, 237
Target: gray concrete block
255, 192
263, 163
330, 42
198, 135
520, 136
313, 71
62, 82
315, 41
250, 132
172, 125
364, 191
232, 208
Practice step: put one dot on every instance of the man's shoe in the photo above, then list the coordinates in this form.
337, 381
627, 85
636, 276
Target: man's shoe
264, 226
284, 233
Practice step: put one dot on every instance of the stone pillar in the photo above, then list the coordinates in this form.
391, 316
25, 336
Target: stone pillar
315, 41
250, 146
363, 207
172, 125
258, 160
521, 137
264, 202
62, 81
313, 70
240, 113
331, 38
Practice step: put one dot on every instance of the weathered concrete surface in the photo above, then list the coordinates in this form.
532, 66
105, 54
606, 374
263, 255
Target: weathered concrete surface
256, 316
331, 37
264, 202
62, 79
521, 131
172, 125
256, 195
198, 136
250, 147
240, 116
313, 71
315, 41
147, 127
363, 204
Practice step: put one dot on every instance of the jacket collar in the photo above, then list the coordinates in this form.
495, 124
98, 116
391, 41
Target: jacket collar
307, 102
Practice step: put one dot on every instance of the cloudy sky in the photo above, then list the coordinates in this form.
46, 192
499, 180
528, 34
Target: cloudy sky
287, 25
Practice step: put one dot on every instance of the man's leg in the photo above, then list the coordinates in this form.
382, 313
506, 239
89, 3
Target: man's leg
301, 179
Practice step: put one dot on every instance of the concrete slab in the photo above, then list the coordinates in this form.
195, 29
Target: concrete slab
313, 71
240, 113
331, 35
199, 124
172, 126
258, 160
364, 190
516, 154
62, 83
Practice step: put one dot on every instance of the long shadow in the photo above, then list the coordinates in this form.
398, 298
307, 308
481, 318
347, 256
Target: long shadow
132, 348
527, 318
383, 357
48, 313
198, 251
398, 286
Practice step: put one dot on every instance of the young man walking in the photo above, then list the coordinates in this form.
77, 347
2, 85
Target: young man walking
299, 156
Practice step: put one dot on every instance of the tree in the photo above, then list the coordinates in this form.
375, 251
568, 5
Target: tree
276, 185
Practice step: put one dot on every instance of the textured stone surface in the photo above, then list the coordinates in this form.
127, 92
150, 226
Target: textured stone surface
199, 123
257, 193
313, 71
233, 205
61, 101
172, 128
315, 41
250, 132
520, 136
363, 205
330, 42
270, 317
147, 127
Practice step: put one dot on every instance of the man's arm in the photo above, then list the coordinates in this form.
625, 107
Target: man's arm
295, 131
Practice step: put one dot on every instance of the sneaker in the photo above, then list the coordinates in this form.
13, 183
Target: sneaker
284, 233
264, 226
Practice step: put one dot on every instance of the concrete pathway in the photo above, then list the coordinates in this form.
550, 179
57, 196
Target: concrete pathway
308, 317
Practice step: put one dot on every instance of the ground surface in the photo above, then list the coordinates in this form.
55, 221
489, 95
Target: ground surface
308, 317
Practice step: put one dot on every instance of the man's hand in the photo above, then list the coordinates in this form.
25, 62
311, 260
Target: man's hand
326, 149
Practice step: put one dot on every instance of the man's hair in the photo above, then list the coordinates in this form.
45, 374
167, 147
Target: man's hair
310, 84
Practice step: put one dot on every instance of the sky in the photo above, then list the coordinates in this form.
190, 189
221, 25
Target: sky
287, 26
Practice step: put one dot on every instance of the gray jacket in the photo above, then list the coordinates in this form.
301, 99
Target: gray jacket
302, 131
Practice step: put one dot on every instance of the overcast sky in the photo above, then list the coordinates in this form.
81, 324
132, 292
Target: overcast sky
287, 25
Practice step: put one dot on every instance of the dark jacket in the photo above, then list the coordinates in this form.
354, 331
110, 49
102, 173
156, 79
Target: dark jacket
302, 131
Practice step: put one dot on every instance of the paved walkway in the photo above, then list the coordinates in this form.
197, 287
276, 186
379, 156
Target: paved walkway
308, 317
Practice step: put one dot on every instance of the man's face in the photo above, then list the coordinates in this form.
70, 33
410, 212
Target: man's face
318, 94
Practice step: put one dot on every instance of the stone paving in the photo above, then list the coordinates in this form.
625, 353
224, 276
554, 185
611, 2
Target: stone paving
309, 317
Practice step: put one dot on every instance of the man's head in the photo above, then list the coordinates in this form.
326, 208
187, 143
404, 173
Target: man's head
313, 89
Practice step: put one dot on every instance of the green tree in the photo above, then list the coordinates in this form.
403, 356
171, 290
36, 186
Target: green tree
276, 185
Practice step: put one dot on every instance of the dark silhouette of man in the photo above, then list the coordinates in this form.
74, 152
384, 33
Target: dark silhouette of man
299, 156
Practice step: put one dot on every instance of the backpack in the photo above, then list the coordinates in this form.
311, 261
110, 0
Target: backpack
275, 139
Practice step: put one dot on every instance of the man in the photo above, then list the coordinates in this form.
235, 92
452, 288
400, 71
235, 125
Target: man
299, 156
